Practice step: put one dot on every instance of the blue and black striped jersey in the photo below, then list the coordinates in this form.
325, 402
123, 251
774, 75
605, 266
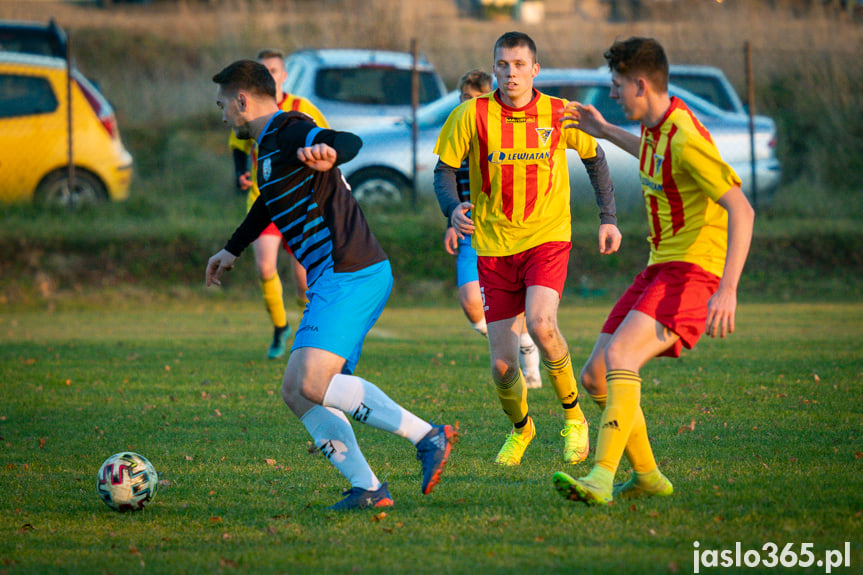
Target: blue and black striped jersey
315, 211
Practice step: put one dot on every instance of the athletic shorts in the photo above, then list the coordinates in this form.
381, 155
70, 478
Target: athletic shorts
675, 294
272, 230
504, 279
465, 263
342, 309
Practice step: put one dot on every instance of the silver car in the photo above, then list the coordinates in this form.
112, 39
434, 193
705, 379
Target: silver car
359, 87
382, 171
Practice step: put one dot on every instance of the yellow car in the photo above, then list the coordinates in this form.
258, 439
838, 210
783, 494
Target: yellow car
34, 136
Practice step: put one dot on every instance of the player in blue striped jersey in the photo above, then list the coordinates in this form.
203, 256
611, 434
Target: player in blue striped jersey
349, 278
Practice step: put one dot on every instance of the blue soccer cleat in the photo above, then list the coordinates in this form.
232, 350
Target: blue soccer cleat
433, 451
359, 498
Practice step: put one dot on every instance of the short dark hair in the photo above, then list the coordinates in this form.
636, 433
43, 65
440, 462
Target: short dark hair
476, 80
247, 75
514, 40
638, 55
270, 53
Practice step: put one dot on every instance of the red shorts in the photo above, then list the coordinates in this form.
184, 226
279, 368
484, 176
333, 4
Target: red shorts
675, 294
504, 279
272, 230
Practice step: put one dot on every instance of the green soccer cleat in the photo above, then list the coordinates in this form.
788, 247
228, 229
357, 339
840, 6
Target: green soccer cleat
636, 487
515, 444
580, 490
576, 443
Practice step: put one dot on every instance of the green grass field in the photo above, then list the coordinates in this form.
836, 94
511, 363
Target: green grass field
761, 434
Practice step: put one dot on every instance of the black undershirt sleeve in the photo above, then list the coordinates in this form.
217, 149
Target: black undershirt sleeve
254, 223
446, 188
603, 187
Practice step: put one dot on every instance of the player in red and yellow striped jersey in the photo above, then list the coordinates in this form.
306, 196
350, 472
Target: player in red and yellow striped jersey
266, 248
700, 232
519, 216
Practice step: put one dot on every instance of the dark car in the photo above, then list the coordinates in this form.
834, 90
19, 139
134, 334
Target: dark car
33, 38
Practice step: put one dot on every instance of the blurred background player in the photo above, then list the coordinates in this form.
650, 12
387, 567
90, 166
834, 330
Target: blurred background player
700, 231
266, 247
473, 84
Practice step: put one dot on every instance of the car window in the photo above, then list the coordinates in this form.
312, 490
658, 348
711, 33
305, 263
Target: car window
27, 41
708, 88
372, 85
594, 95
25, 96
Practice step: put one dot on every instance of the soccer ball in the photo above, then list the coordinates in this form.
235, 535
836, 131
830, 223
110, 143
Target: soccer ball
127, 481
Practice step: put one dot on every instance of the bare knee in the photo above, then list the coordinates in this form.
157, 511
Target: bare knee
292, 392
503, 371
592, 377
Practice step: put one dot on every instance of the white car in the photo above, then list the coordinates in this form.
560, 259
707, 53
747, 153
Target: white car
359, 87
382, 171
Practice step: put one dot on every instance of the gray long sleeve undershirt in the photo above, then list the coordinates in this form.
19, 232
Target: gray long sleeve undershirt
597, 170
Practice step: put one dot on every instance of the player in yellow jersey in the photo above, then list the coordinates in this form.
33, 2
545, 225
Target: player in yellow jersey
266, 247
473, 84
519, 216
700, 232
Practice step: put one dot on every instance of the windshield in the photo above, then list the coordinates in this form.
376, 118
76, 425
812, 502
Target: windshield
374, 85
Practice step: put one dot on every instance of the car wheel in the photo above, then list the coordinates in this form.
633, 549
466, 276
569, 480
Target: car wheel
54, 190
379, 186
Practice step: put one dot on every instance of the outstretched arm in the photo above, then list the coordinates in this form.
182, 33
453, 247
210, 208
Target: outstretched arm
589, 120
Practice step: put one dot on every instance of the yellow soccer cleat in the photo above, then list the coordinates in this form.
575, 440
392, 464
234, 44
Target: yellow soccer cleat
643, 487
582, 489
515, 444
576, 443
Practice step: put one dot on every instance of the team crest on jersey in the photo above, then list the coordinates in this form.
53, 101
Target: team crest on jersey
544, 135
657, 162
268, 169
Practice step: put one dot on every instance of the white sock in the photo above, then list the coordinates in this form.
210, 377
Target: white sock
334, 437
366, 403
481, 327
529, 359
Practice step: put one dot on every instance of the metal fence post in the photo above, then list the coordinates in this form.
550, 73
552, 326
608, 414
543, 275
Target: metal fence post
70, 142
750, 97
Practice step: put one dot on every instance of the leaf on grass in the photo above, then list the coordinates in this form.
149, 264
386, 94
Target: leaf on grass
164, 484
216, 519
633, 508
26, 527
690, 427
815, 376
189, 458
380, 516
227, 562
42, 442
269, 461
134, 551
226, 536
218, 413
857, 455
673, 567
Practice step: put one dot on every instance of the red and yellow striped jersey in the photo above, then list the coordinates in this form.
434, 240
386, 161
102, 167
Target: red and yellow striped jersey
519, 180
682, 177
288, 103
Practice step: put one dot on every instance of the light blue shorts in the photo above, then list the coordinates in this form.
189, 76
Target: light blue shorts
465, 263
342, 309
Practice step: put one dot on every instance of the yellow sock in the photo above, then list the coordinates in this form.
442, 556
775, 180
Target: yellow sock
272, 288
624, 396
599, 400
513, 398
563, 381
638, 450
